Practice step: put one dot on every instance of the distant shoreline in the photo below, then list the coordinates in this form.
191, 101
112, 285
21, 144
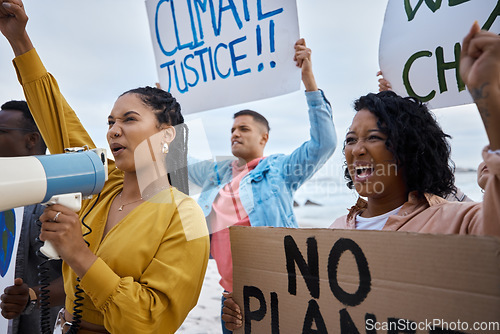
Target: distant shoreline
465, 170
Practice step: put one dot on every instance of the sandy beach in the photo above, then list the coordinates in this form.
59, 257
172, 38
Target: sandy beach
205, 316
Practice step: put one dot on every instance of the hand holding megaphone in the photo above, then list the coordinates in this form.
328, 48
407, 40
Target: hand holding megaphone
52, 216
52, 179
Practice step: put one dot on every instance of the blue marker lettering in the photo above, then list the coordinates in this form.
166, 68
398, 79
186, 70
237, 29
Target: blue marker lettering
157, 31
222, 9
177, 79
179, 44
271, 35
259, 40
200, 53
262, 16
200, 4
214, 20
167, 65
211, 62
235, 58
196, 42
223, 76
192, 69
245, 10
192, 44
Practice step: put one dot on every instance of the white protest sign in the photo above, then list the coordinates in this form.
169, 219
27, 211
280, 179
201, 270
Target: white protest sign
420, 46
211, 54
10, 229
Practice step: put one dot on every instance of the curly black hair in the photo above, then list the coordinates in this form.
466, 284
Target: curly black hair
419, 145
169, 112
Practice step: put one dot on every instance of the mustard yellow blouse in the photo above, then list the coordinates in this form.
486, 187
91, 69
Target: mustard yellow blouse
151, 265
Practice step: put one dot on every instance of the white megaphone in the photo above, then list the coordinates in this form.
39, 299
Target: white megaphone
52, 179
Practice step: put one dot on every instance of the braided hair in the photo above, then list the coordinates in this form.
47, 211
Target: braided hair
416, 140
169, 112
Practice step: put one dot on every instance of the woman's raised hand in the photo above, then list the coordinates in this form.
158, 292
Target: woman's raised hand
13, 20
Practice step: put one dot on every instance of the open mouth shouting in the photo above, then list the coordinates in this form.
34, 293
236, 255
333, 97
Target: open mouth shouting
116, 149
362, 172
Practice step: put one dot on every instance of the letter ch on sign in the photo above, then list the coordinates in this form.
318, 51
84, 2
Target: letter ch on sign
439, 54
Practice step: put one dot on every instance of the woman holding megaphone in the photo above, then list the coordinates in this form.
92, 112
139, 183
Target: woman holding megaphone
141, 268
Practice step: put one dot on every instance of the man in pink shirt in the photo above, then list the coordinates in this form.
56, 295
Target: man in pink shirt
257, 190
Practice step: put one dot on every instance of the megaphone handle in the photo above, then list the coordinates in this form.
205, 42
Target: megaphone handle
49, 251
71, 201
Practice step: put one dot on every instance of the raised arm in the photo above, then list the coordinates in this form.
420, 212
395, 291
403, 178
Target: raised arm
13, 20
480, 70
56, 120
311, 155
303, 59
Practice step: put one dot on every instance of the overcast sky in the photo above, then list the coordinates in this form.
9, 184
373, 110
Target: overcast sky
99, 49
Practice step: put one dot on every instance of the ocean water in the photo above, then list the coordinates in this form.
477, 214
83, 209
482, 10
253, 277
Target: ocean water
334, 198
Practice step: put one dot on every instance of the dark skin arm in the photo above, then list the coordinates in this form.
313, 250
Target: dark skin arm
13, 21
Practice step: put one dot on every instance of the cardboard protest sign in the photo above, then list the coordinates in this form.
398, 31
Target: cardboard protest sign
348, 281
420, 46
211, 54
10, 229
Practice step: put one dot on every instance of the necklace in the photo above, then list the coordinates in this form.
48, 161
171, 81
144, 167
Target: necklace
122, 205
